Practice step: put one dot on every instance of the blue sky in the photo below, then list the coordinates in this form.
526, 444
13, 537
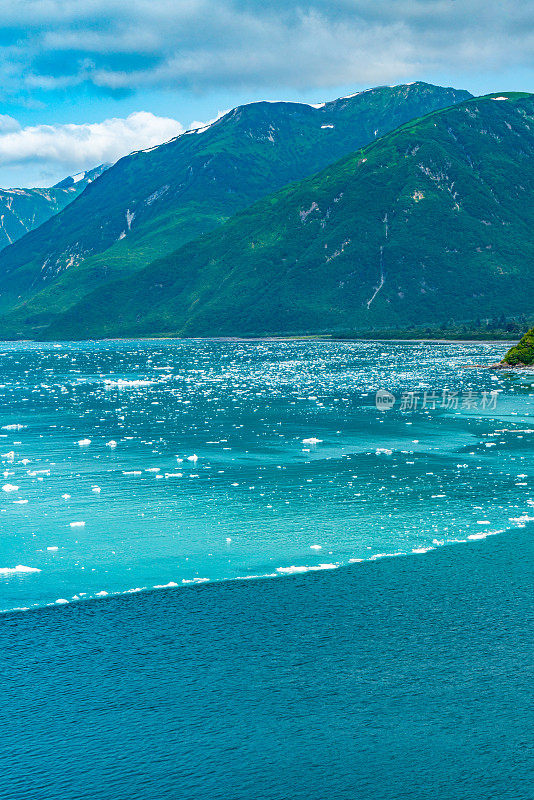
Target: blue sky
86, 81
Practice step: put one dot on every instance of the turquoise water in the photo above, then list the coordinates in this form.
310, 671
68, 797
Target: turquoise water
101, 494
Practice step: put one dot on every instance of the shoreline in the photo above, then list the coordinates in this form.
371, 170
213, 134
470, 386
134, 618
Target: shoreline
324, 338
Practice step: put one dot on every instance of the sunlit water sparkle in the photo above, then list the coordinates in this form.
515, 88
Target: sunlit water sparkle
130, 465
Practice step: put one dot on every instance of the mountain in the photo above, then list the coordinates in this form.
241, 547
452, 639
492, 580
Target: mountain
22, 210
152, 202
432, 221
522, 355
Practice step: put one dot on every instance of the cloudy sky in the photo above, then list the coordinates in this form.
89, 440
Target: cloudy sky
86, 81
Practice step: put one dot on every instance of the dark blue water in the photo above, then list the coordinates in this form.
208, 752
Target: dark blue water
399, 679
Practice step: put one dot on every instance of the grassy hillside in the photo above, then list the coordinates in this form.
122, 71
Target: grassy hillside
432, 222
152, 202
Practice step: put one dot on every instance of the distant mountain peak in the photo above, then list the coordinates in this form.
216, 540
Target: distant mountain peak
184, 188
84, 177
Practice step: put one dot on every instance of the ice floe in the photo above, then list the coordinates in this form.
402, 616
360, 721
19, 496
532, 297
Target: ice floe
296, 570
20, 569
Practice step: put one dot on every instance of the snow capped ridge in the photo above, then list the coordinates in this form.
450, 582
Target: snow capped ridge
196, 127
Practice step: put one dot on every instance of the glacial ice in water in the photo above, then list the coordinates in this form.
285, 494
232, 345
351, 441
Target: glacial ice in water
252, 413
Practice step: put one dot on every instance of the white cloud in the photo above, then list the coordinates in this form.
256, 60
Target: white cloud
69, 148
8, 124
202, 44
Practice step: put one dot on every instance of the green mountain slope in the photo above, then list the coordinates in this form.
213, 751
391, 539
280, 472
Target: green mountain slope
433, 221
23, 210
150, 203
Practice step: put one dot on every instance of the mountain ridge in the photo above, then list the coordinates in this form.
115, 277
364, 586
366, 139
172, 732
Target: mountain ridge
431, 221
188, 186
24, 209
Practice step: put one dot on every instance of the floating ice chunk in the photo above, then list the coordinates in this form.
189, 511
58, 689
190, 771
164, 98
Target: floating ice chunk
16, 427
195, 580
61, 601
123, 384
228, 540
96, 489
421, 549
193, 458
20, 569
34, 472
101, 594
311, 440
316, 547
65, 496
9, 456
79, 524
174, 474
84, 442
52, 549
112, 443
385, 555
9, 487
152, 469
295, 570
20, 502
165, 585
383, 451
